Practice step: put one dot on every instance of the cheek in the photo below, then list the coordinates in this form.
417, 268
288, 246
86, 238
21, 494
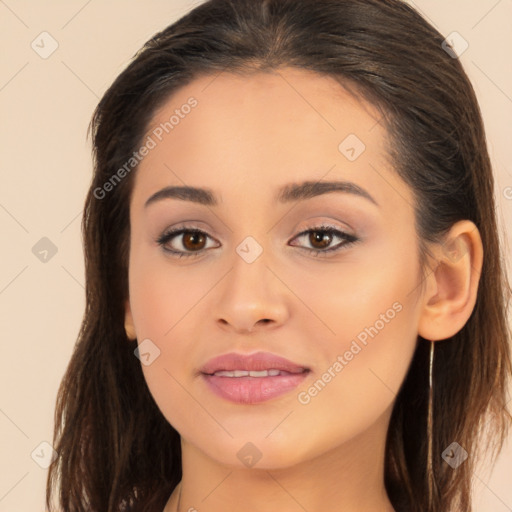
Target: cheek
163, 299
162, 293
364, 331
367, 295
361, 380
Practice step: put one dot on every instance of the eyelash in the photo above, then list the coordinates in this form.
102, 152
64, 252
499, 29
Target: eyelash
168, 235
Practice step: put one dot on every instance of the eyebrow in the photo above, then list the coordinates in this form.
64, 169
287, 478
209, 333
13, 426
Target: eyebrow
286, 194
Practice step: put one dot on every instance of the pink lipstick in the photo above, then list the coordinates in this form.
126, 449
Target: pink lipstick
250, 379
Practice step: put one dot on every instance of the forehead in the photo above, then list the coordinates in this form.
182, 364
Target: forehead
269, 100
265, 128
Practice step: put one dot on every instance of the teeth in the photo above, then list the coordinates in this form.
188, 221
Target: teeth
246, 373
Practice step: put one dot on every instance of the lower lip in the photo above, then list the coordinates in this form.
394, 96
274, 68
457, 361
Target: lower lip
252, 390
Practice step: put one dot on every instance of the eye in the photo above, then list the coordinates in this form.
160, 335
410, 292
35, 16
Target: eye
321, 237
193, 240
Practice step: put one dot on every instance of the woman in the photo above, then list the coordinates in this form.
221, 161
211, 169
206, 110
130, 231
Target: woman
295, 297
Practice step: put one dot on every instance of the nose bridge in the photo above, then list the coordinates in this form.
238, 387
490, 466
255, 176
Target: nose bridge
251, 291
250, 236
250, 275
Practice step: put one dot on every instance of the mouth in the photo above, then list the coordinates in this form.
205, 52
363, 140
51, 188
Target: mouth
257, 362
274, 372
251, 379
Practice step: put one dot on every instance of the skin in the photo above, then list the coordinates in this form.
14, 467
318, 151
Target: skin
247, 137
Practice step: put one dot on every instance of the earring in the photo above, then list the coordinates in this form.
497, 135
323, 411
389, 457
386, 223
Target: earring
130, 332
430, 461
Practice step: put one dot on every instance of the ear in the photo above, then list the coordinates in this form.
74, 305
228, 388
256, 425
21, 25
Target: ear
129, 327
452, 284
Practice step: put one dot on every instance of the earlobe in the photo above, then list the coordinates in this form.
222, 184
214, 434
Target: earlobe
129, 327
452, 283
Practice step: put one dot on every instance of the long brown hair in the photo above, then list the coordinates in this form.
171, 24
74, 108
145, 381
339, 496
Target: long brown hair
116, 451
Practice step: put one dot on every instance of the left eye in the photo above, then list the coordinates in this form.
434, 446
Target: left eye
323, 235
193, 240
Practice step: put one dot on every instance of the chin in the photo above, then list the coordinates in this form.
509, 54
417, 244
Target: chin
254, 453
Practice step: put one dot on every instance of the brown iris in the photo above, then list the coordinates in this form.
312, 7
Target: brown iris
193, 238
321, 237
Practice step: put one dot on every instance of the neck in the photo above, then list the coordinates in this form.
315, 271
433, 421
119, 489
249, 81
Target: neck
348, 478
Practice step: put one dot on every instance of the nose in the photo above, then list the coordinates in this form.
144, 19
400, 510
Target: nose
252, 297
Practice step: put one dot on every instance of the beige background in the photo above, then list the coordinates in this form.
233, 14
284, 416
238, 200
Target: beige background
45, 166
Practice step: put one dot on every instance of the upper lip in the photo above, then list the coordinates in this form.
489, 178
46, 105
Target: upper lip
253, 362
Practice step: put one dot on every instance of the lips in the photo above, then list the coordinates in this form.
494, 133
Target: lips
257, 362
250, 379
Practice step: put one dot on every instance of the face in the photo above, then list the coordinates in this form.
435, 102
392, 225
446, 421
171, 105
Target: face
267, 275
